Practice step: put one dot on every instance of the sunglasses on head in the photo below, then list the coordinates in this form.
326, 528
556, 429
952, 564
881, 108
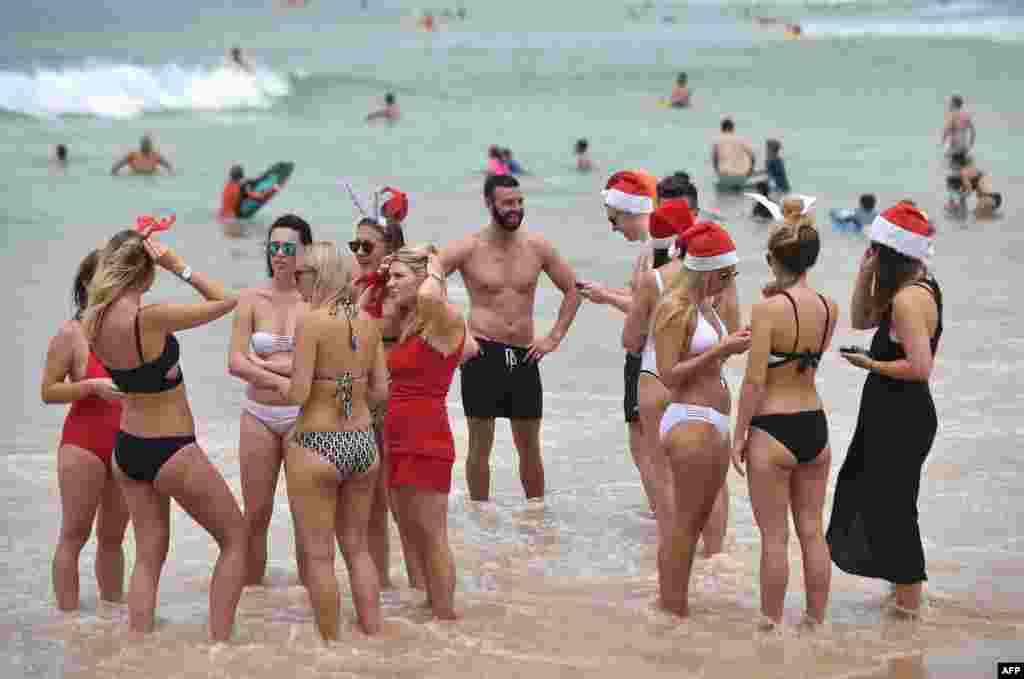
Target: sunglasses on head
286, 247
366, 246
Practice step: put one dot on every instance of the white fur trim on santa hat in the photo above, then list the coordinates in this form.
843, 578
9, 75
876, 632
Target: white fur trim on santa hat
628, 202
712, 263
901, 240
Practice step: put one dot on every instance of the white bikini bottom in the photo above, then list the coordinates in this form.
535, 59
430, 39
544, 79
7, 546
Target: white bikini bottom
677, 413
278, 419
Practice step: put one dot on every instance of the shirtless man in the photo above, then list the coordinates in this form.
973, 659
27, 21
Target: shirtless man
501, 266
144, 161
732, 157
958, 129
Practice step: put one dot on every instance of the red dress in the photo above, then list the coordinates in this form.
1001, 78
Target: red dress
416, 427
92, 422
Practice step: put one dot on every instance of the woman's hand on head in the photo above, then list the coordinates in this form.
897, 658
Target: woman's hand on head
163, 256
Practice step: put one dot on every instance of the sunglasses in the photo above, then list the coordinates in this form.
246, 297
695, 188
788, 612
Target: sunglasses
366, 246
299, 273
287, 247
726, 276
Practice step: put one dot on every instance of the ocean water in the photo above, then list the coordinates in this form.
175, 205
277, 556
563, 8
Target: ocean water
566, 587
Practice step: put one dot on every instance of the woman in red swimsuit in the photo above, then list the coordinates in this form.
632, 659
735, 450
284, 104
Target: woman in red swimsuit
87, 488
432, 342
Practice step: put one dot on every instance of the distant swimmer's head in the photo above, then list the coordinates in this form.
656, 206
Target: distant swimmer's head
581, 146
681, 79
728, 125
868, 201
389, 99
287, 229
146, 144
504, 200
772, 148
494, 152
237, 173
62, 153
956, 102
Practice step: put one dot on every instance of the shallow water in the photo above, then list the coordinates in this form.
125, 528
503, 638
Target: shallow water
565, 587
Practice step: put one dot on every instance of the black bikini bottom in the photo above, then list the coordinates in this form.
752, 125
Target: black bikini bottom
805, 434
141, 458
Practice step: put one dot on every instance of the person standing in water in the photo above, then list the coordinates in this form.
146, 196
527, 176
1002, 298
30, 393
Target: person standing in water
958, 133
501, 266
873, 531
235, 192
88, 489
144, 161
262, 350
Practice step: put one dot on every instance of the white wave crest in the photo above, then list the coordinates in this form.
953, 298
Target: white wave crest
126, 90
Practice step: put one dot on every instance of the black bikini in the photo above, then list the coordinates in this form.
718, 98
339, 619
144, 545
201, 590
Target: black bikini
140, 458
804, 433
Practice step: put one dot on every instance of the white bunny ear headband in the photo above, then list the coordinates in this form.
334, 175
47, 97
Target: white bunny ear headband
370, 212
776, 210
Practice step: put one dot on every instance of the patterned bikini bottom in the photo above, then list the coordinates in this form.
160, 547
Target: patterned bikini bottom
351, 452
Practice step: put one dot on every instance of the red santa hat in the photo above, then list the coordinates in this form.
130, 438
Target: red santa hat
396, 204
709, 248
905, 229
672, 218
626, 191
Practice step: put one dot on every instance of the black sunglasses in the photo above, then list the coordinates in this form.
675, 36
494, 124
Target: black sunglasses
366, 246
287, 247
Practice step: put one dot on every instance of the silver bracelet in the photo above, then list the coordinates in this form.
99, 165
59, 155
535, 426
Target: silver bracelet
186, 274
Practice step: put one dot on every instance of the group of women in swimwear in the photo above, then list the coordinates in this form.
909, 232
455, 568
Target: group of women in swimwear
780, 439
315, 346
347, 372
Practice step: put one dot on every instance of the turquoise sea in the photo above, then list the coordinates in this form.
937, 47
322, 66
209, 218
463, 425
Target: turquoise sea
563, 588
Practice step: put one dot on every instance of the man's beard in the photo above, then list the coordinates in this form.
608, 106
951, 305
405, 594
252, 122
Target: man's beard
509, 221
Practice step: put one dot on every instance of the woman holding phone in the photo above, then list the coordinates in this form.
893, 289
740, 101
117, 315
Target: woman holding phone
874, 530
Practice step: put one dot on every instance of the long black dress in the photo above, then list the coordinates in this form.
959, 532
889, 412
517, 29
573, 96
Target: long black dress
873, 531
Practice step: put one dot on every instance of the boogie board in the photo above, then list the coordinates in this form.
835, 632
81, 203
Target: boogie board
277, 174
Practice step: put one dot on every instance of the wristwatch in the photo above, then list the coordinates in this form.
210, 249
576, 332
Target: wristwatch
186, 274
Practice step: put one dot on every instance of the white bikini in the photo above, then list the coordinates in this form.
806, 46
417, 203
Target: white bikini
648, 359
278, 419
705, 336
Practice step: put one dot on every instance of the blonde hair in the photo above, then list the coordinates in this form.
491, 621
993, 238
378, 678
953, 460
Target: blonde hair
416, 259
332, 282
792, 213
123, 264
678, 299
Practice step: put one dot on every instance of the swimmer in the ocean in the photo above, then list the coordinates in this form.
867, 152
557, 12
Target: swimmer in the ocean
235, 192
144, 161
238, 60
680, 93
61, 156
389, 113
427, 22
583, 162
